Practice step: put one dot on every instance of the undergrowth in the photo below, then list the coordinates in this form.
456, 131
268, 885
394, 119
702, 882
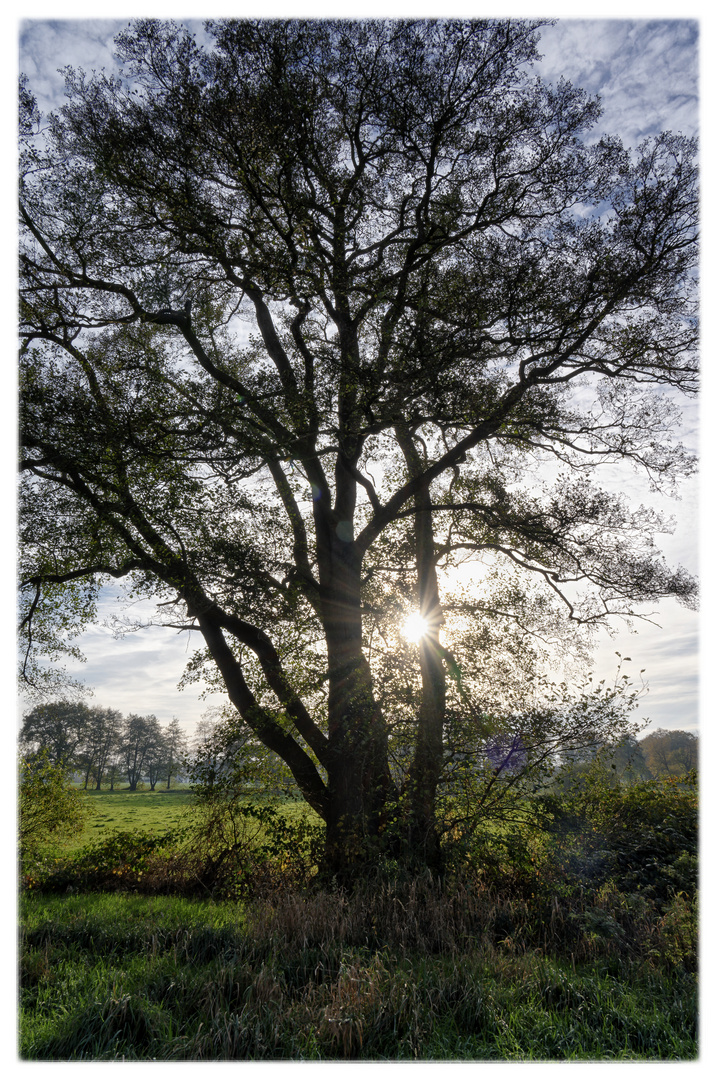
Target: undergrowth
388, 974
574, 942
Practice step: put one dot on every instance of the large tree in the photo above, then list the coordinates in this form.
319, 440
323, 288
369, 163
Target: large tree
99, 744
58, 729
303, 312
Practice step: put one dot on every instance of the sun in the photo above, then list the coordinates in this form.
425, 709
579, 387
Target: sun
414, 628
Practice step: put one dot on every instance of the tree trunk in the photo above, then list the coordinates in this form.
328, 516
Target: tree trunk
360, 787
425, 770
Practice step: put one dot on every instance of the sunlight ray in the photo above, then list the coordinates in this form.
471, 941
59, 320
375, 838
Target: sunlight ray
414, 628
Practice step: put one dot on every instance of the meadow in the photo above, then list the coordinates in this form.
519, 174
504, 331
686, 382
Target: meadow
576, 945
151, 811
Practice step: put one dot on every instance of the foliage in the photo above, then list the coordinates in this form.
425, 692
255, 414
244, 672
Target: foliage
141, 748
643, 837
242, 847
670, 753
175, 743
119, 860
48, 809
98, 749
311, 314
498, 762
57, 729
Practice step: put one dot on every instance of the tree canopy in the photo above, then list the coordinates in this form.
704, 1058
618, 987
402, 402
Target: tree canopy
101, 744
311, 315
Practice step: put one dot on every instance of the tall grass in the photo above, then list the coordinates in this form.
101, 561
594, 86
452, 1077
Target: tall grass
576, 943
392, 973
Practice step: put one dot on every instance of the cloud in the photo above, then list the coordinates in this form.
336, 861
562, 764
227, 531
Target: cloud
139, 672
646, 71
669, 654
47, 46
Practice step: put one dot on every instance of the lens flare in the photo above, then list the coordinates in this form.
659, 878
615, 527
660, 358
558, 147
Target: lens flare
415, 627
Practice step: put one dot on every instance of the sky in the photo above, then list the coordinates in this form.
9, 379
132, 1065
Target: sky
646, 71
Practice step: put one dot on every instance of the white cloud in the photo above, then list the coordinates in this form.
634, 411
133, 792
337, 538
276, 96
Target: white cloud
668, 653
646, 71
46, 47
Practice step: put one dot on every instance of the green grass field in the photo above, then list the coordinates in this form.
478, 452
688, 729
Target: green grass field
151, 811
119, 969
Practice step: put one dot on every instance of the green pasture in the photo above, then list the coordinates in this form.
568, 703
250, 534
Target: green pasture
145, 811
149, 811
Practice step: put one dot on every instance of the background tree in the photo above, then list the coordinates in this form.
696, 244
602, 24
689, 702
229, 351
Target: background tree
670, 753
155, 762
175, 750
107, 734
321, 295
114, 769
58, 729
99, 742
627, 760
141, 745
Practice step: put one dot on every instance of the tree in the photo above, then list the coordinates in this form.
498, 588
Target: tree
99, 743
141, 745
627, 759
175, 749
670, 753
58, 729
305, 314
156, 761
114, 767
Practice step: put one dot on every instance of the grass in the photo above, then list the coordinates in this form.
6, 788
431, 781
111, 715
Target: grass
146, 811
149, 811
130, 978
578, 946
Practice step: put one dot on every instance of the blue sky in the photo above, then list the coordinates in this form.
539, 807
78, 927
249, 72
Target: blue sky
646, 72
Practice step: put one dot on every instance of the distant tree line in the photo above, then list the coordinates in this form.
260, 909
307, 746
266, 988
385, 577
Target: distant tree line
660, 754
107, 748
103, 746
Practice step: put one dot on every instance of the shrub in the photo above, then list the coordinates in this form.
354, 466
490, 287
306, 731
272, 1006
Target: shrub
49, 809
123, 859
642, 837
238, 847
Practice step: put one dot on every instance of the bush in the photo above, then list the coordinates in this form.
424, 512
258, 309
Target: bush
642, 837
240, 848
49, 809
125, 859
